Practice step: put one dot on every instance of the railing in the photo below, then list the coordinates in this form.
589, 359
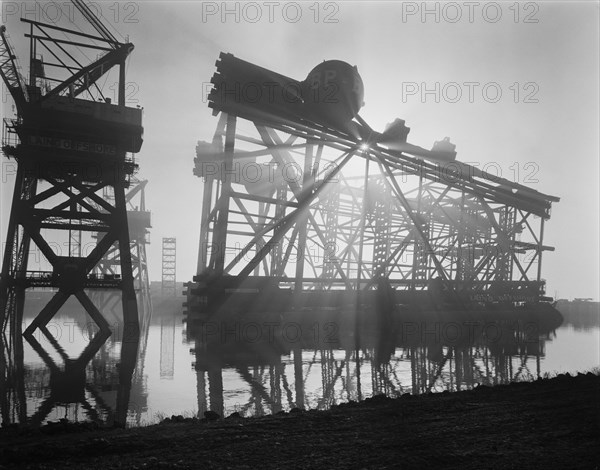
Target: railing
10, 139
51, 279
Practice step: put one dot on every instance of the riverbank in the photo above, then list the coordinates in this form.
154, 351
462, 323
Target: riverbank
551, 423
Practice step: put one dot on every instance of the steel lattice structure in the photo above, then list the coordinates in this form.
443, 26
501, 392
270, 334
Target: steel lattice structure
139, 221
75, 151
70, 152
169, 270
293, 201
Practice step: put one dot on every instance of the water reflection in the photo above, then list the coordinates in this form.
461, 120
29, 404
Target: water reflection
268, 364
259, 364
68, 384
99, 383
582, 315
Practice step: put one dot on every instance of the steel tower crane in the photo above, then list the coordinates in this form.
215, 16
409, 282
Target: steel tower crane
71, 145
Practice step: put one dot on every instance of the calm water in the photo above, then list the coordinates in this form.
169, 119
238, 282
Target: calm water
259, 368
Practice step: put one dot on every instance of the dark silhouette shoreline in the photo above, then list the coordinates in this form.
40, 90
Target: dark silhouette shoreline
549, 423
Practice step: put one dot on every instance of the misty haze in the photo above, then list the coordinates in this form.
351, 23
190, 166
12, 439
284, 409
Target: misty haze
299, 235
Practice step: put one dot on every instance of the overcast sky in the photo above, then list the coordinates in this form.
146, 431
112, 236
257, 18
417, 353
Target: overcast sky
542, 57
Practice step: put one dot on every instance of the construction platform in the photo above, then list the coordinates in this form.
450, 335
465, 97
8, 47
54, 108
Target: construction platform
306, 206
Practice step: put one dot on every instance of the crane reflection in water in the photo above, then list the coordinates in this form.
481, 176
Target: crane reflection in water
101, 383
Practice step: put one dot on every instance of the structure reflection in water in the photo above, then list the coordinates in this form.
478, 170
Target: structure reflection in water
262, 364
581, 314
283, 363
100, 384
68, 384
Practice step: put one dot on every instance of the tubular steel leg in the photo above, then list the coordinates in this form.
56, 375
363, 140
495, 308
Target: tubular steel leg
220, 232
130, 309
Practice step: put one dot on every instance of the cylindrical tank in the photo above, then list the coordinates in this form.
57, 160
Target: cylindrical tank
333, 92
